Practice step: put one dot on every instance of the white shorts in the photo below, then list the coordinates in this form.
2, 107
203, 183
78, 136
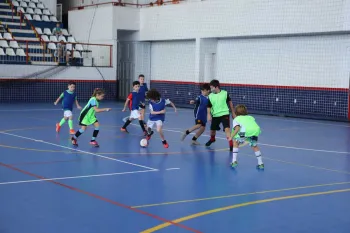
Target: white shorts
135, 114
158, 123
67, 113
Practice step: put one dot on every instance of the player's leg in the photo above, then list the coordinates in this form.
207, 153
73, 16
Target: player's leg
94, 134
161, 134
63, 120
215, 122
141, 122
199, 132
190, 130
131, 118
69, 116
225, 120
235, 150
254, 145
78, 133
149, 129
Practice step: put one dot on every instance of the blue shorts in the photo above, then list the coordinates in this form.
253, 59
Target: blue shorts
201, 122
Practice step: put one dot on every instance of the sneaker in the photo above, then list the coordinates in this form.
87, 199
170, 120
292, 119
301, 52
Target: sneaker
124, 130
71, 131
235, 164
94, 143
165, 144
209, 142
149, 135
183, 136
195, 142
58, 127
260, 167
74, 141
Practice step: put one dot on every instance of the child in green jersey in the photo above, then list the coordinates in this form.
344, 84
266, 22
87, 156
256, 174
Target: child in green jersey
245, 129
87, 116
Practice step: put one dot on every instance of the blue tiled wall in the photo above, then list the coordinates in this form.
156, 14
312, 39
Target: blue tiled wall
29, 90
313, 103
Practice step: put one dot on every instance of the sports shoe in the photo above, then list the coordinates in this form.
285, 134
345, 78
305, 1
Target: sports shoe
94, 143
58, 127
74, 141
260, 167
71, 131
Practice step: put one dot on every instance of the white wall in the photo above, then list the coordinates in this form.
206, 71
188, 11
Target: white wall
228, 18
313, 61
83, 73
173, 61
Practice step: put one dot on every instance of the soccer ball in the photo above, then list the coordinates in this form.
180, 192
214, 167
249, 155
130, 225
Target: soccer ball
143, 143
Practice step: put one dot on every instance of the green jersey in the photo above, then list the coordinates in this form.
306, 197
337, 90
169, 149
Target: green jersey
218, 104
249, 127
87, 115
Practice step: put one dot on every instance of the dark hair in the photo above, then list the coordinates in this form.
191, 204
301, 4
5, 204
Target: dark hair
71, 83
141, 75
215, 83
98, 91
241, 110
134, 83
205, 86
153, 94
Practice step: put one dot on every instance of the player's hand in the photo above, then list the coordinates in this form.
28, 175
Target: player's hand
79, 107
209, 118
55, 103
123, 110
108, 109
192, 102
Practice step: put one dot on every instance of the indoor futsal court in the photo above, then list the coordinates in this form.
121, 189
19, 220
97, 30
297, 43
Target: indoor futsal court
47, 185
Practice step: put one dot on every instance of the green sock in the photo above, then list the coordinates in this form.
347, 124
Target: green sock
62, 121
70, 123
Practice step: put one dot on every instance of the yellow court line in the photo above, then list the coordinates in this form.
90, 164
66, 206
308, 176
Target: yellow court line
240, 194
200, 214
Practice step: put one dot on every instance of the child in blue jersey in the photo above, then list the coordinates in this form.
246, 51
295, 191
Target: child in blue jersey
142, 95
69, 98
200, 114
157, 114
133, 101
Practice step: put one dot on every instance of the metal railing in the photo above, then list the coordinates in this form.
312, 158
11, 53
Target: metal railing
54, 53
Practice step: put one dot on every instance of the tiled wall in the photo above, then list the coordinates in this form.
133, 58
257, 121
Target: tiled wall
44, 90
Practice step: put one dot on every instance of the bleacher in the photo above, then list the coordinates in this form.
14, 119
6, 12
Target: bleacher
27, 36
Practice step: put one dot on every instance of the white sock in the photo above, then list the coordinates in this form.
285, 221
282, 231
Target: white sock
234, 154
258, 156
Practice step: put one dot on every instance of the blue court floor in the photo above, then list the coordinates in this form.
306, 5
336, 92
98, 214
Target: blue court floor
48, 186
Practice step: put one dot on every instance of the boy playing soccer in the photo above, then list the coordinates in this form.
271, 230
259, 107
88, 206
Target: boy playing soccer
142, 95
157, 114
200, 114
134, 105
218, 112
245, 129
69, 98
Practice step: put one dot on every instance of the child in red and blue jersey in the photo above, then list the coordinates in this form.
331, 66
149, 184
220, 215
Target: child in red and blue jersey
200, 114
133, 101
157, 114
69, 98
142, 95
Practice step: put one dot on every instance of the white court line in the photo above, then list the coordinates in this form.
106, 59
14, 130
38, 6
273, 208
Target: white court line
174, 168
76, 177
271, 145
86, 152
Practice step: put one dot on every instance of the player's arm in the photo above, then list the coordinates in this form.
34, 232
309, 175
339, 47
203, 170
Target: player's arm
236, 128
77, 103
127, 101
167, 101
97, 110
229, 101
58, 99
209, 110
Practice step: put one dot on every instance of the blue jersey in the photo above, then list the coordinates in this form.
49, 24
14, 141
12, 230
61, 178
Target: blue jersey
68, 100
157, 106
142, 92
200, 109
134, 100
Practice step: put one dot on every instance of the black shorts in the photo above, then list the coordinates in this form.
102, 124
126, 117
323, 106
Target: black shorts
86, 125
200, 122
216, 121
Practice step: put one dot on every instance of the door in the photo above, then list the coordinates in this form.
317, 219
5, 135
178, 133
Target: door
209, 67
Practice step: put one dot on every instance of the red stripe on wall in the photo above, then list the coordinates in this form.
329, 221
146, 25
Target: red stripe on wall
55, 80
